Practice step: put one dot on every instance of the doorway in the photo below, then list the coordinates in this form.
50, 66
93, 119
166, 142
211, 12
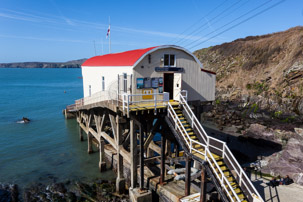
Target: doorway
169, 84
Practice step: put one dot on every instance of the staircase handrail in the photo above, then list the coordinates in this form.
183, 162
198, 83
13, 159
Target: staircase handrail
225, 148
173, 115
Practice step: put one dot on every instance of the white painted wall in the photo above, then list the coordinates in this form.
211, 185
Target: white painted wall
93, 76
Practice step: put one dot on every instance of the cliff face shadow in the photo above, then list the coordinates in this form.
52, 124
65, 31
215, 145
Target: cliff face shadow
245, 149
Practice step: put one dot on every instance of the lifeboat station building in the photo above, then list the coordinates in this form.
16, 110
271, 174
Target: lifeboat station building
134, 98
144, 73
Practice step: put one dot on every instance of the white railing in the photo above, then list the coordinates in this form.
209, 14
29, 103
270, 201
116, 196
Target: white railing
136, 100
210, 144
109, 96
179, 127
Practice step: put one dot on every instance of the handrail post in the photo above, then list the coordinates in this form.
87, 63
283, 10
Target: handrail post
155, 99
191, 145
128, 104
223, 152
240, 180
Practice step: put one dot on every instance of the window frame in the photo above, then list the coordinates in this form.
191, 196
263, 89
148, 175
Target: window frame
169, 61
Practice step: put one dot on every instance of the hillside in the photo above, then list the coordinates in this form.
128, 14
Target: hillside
267, 69
69, 64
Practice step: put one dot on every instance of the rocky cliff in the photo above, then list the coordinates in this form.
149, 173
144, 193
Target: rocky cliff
69, 64
259, 93
267, 69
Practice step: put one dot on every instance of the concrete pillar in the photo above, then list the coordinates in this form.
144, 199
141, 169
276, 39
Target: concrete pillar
187, 175
89, 142
102, 164
133, 154
120, 181
80, 133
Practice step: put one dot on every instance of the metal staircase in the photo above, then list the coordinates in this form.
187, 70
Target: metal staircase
225, 170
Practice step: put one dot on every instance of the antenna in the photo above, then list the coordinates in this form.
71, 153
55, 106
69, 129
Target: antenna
109, 35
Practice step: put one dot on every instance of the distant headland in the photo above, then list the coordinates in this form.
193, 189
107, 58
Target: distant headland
69, 64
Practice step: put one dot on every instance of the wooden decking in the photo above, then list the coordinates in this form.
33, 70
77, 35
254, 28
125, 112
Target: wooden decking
150, 106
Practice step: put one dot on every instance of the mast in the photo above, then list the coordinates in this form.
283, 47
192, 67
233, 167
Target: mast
109, 35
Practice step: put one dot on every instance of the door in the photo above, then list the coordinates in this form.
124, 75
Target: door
177, 85
169, 84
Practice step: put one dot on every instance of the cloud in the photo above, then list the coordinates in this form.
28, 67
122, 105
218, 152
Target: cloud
17, 15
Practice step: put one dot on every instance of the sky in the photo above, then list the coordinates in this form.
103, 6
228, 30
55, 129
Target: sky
63, 30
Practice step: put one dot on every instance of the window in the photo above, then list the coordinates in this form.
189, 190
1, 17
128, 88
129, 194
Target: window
103, 83
169, 60
125, 82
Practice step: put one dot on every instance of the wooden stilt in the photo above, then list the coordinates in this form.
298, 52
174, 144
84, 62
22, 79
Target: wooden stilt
120, 182
102, 164
163, 144
89, 142
142, 131
177, 149
133, 154
203, 182
80, 133
187, 175
168, 148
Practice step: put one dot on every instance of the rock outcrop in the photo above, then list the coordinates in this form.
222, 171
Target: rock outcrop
69, 64
266, 70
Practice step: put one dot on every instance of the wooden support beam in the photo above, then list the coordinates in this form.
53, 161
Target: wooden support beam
187, 175
120, 181
113, 125
102, 164
83, 127
133, 154
126, 140
177, 150
125, 154
155, 147
109, 139
89, 142
80, 133
203, 185
94, 133
142, 130
151, 134
162, 171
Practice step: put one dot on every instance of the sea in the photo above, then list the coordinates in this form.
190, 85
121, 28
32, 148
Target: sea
47, 149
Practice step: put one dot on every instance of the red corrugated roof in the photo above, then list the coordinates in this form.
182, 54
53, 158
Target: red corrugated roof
128, 58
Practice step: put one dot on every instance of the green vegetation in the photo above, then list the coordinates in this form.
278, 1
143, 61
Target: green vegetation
217, 101
258, 87
289, 119
254, 108
277, 114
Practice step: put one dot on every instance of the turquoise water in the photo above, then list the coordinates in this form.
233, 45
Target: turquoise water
48, 147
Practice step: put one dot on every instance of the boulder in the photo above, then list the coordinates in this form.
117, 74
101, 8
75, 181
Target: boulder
289, 161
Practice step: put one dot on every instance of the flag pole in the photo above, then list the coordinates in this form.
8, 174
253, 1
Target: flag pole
109, 37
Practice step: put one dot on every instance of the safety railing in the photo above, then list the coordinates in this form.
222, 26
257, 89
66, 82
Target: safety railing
137, 100
101, 96
207, 154
213, 145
